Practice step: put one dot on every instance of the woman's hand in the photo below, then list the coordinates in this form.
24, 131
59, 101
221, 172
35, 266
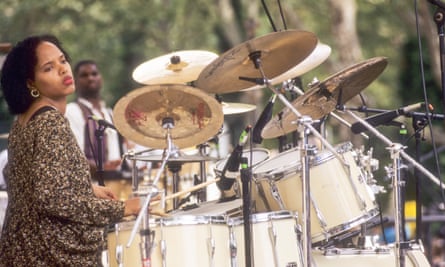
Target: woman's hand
104, 192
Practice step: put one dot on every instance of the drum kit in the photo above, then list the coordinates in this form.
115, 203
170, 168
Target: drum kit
286, 210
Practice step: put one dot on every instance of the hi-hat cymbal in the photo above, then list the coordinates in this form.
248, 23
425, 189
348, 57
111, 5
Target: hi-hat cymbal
177, 67
230, 108
318, 56
142, 114
322, 98
276, 53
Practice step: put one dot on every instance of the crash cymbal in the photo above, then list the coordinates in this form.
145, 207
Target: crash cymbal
322, 98
318, 56
177, 67
236, 108
277, 53
142, 114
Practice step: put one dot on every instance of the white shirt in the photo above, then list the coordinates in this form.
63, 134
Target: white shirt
77, 122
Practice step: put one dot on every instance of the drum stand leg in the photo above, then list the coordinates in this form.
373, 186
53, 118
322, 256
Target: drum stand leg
397, 183
305, 174
175, 168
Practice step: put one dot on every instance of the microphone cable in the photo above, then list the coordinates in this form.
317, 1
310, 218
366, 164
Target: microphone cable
425, 96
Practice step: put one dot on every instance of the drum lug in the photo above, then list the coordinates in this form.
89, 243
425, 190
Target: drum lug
211, 250
164, 253
233, 248
276, 195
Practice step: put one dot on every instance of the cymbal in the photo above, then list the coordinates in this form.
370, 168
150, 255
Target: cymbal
322, 98
176, 67
277, 53
236, 108
318, 56
141, 115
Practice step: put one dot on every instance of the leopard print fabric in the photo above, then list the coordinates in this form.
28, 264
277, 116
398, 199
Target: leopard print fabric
53, 217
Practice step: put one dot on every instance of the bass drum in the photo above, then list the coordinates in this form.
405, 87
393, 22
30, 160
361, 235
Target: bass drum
340, 198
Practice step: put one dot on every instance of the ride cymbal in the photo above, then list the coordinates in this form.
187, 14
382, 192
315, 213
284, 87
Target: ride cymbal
176, 67
141, 115
276, 53
318, 56
322, 98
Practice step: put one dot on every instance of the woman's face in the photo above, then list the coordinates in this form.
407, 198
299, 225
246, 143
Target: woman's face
53, 76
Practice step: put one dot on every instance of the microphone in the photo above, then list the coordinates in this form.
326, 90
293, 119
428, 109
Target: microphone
102, 122
384, 117
259, 81
264, 118
231, 169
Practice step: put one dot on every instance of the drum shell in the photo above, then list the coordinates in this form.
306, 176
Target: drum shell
343, 201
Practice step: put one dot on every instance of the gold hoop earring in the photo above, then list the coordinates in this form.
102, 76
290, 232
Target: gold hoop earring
35, 93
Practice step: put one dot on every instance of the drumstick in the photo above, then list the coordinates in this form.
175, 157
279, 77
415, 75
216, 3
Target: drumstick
159, 213
193, 188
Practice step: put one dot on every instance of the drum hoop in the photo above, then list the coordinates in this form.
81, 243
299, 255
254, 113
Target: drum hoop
274, 175
191, 220
267, 152
326, 155
263, 217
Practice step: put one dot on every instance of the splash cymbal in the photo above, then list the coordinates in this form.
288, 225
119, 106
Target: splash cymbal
141, 114
176, 67
230, 108
322, 98
318, 56
276, 52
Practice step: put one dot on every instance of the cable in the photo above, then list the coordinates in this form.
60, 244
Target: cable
268, 16
282, 15
427, 112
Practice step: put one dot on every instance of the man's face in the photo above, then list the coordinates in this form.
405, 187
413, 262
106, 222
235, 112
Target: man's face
88, 80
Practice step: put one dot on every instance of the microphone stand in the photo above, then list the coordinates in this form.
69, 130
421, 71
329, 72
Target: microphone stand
147, 236
396, 154
246, 173
99, 134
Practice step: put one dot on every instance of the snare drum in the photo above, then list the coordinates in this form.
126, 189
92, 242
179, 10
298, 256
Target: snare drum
340, 197
274, 240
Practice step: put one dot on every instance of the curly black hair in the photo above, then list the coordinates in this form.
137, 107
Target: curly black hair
19, 68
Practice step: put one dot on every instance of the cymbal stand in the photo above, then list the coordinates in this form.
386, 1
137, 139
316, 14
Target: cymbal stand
396, 151
304, 122
147, 236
